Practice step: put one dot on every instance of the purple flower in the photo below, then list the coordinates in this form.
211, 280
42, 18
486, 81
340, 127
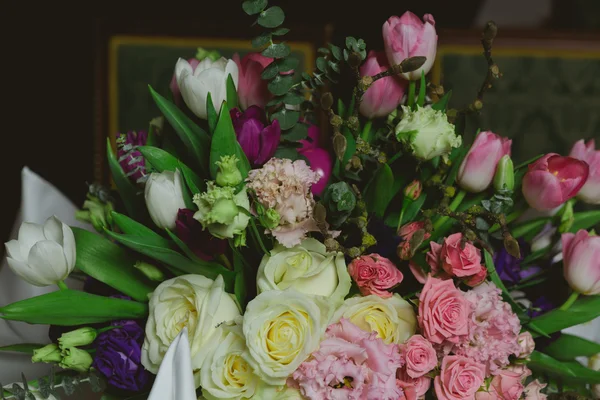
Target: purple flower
118, 356
540, 306
509, 268
131, 160
258, 139
201, 242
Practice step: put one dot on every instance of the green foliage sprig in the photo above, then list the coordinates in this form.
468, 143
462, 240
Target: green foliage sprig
51, 385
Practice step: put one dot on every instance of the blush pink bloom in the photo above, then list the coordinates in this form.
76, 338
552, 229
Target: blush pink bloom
319, 159
419, 355
533, 391
384, 95
375, 274
552, 180
581, 261
408, 36
458, 261
526, 343
443, 312
252, 89
590, 192
175, 87
508, 385
406, 232
479, 165
459, 378
420, 385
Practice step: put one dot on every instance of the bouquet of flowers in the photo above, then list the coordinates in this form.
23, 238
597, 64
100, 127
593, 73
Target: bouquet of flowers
386, 260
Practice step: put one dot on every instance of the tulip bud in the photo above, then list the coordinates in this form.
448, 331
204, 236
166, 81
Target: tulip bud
76, 360
228, 174
413, 190
164, 198
567, 217
581, 264
505, 174
150, 271
79, 337
212, 55
47, 354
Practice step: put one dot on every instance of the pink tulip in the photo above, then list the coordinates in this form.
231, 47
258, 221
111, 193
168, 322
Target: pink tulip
319, 159
252, 89
581, 262
590, 192
552, 180
385, 94
408, 36
175, 87
479, 166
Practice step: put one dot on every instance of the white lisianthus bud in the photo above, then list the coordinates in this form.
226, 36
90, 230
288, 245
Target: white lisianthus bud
43, 255
164, 198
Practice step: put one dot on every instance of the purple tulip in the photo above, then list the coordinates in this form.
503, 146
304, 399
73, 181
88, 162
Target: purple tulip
201, 242
130, 159
258, 139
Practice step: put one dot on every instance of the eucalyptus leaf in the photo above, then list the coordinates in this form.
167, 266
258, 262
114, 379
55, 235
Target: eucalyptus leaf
322, 64
287, 118
281, 84
271, 18
224, 143
287, 64
297, 132
277, 50
287, 152
270, 71
261, 40
293, 98
280, 31
336, 52
252, 7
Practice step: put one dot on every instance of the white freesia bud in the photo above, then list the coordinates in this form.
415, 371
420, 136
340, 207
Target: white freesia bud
43, 254
164, 198
208, 77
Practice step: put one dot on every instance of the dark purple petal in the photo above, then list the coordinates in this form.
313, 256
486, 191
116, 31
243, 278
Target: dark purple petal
255, 113
201, 242
269, 140
249, 138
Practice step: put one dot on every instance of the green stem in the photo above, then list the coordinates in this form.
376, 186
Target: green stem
61, 285
366, 132
412, 85
569, 301
453, 206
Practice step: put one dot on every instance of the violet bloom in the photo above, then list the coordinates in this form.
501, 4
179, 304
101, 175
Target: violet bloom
509, 268
130, 159
201, 242
258, 139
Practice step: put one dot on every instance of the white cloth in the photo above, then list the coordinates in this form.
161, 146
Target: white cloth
175, 380
39, 200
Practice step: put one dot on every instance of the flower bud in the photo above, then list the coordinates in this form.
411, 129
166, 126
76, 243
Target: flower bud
78, 337
47, 354
164, 198
271, 218
567, 217
505, 174
202, 53
228, 174
76, 359
413, 190
150, 271
526, 343
581, 264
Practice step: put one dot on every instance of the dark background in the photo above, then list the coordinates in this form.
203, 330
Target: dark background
48, 67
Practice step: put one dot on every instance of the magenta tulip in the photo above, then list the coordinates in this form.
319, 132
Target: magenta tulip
479, 166
590, 192
318, 158
581, 261
175, 87
385, 94
252, 89
408, 36
552, 180
258, 139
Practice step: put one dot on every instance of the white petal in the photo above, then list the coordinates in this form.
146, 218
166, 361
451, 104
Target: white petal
48, 261
69, 248
194, 95
220, 64
203, 66
29, 234
26, 273
181, 67
232, 69
53, 230
13, 249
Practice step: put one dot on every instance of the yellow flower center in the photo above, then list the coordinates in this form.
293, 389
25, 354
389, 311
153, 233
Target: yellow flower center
284, 337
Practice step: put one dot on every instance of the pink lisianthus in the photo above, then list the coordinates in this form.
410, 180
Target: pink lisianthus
374, 274
419, 355
443, 312
284, 185
590, 192
459, 379
406, 232
420, 385
350, 364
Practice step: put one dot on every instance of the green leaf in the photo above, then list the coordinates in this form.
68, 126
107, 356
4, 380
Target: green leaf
422, 90
568, 347
281, 84
270, 71
529, 228
287, 152
351, 43
280, 31
252, 7
457, 155
585, 309
297, 132
377, 193
131, 227
163, 161
585, 220
224, 143
26, 348
293, 98
572, 372
261, 40
341, 108
277, 50
287, 118
322, 64
531, 160
271, 18
232, 97
71, 308
193, 137
442, 103
195, 184
335, 51
240, 284
110, 264
287, 64
211, 113
413, 209
130, 194
493, 274
184, 247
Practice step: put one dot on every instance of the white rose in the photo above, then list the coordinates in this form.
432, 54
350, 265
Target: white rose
307, 268
428, 132
194, 301
281, 329
226, 373
270, 392
393, 318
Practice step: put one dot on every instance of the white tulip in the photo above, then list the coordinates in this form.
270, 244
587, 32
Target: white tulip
208, 77
43, 255
164, 198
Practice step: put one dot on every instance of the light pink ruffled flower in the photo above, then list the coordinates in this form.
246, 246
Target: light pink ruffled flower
419, 355
375, 274
532, 391
284, 185
459, 378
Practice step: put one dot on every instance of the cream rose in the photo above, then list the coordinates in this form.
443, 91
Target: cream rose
307, 268
226, 373
194, 301
281, 329
264, 391
392, 318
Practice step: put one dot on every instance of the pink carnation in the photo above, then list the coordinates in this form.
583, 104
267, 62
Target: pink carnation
459, 378
493, 329
374, 275
350, 364
284, 185
420, 356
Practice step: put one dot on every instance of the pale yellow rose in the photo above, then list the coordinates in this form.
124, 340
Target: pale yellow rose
269, 392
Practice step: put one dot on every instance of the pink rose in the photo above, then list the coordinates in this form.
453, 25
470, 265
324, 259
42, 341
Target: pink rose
420, 356
443, 311
532, 391
487, 395
527, 344
375, 275
459, 379
458, 261
406, 232
508, 385
421, 385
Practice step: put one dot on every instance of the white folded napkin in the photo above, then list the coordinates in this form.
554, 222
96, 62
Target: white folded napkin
175, 380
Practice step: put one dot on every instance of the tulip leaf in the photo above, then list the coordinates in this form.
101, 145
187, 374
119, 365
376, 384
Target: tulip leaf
240, 284
252, 7
129, 192
224, 143
195, 139
211, 114
529, 228
413, 209
26, 348
568, 347
71, 308
377, 193
131, 227
271, 18
277, 50
585, 220
281, 84
287, 118
457, 156
422, 90
296, 133
526, 163
569, 371
585, 309
442, 103
110, 264
232, 97
164, 161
